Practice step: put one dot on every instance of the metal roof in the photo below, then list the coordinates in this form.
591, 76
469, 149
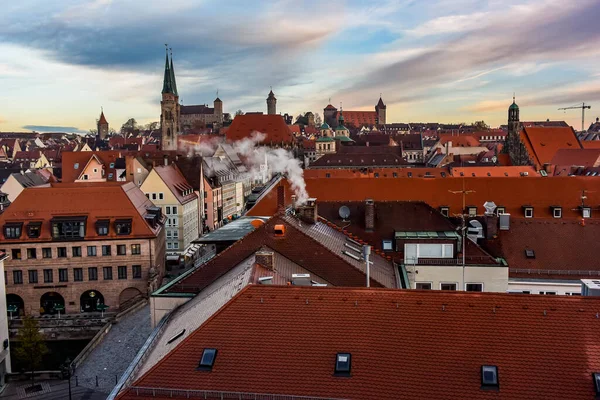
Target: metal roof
233, 231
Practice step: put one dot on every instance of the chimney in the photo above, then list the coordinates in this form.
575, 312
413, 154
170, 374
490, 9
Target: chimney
166, 160
491, 226
308, 211
294, 202
265, 259
369, 215
448, 144
280, 197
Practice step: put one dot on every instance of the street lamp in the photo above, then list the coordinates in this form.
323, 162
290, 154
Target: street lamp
66, 370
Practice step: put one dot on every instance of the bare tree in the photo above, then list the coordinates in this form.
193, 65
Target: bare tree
318, 120
239, 112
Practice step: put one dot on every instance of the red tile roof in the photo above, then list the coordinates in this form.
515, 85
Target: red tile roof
102, 119
81, 158
462, 140
494, 171
385, 172
284, 339
176, 182
542, 143
509, 192
273, 126
577, 157
95, 201
359, 118
591, 144
361, 160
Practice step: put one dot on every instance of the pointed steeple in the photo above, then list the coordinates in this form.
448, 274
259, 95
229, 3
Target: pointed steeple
102, 119
167, 84
380, 103
173, 82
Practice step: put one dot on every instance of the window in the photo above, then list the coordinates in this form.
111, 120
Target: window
63, 275
153, 196
423, 285
529, 253
33, 229
388, 245
48, 278
208, 359
394, 174
472, 211
122, 272
168, 233
76, 250
78, 274
528, 212
447, 286
33, 276
343, 363
136, 271
489, 376
46, 252
107, 273
18, 277
474, 287
169, 245
136, 249
174, 210
376, 174
62, 252
12, 231
76, 166
16, 254
92, 273
121, 250
123, 226
167, 210
586, 212
68, 229
85, 177
412, 252
175, 233
106, 250
31, 253
175, 245
110, 176
161, 196
102, 227
596, 377
445, 211
500, 210
556, 212
410, 174
327, 175
112, 165
550, 293
91, 251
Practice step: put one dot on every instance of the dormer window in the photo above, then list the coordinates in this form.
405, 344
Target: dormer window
33, 229
208, 359
123, 227
343, 364
68, 228
586, 212
528, 211
445, 211
102, 227
500, 210
489, 376
13, 230
472, 211
556, 212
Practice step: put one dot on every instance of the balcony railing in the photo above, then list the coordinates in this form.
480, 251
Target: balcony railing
146, 392
452, 261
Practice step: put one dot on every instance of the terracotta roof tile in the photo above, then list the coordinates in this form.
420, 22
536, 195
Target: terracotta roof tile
273, 126
284, 340
542, 143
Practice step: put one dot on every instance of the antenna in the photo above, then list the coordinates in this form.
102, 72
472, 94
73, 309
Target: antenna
344, 212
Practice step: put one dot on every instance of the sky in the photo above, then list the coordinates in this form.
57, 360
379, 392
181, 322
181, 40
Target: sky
431, 60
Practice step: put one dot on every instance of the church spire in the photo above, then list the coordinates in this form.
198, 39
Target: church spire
167, 84
173, 82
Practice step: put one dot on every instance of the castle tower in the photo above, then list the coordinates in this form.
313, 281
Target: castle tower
271, 103
218, 106
329, 114
170, 109
102, 127
380, 110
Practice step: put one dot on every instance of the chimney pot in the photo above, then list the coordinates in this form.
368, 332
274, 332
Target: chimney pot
308, 212
369, 215
265, 259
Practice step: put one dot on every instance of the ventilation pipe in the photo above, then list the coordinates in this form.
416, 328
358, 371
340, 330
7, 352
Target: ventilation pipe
366, 254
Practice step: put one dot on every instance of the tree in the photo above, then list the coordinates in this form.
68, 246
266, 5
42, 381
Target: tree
129, 126
239, 112
152, 126
480, 125
318, 120
31, 347
111, 132
93, 132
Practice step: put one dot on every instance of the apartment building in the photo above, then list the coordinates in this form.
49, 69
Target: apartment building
76, 247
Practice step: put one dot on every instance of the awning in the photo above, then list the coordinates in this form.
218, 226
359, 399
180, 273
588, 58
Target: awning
172, 258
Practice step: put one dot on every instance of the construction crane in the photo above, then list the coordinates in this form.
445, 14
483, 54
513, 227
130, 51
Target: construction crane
583, 107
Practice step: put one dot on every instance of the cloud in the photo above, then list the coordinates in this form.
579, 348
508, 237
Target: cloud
47, 128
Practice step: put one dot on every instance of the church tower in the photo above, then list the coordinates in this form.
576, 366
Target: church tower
271, 103
380, 111
514, 145
102, 126
170, 109
218, 110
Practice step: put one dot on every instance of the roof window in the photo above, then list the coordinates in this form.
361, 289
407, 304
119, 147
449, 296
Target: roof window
489, 376
343, 364
586, 212
528, 211
596, 377
410, 174
472, 211
208, 359
529, 253
387, 245
556, 212
445, 211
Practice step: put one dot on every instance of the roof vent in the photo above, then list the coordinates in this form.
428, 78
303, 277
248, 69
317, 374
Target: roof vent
529, 253
489, 376
343, 364
301, 280
504, 222
265, 280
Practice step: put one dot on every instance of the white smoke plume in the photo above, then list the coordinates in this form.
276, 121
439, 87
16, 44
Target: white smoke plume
278, 160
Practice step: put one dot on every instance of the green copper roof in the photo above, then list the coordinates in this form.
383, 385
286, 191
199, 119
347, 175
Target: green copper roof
343, 138
341, 128
167, 83
173, 82
325, 126
325, 139
513, 106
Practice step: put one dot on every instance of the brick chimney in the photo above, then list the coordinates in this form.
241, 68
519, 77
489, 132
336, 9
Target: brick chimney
308, 211
491, 226
265, 259
280, 197
369, 215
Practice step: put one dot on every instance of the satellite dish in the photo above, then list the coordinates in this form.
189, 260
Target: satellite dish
344, 212
490, 207
494, 159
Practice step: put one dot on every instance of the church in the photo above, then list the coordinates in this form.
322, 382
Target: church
174, 117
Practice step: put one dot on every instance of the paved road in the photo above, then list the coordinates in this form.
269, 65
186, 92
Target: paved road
55, 390
116, 351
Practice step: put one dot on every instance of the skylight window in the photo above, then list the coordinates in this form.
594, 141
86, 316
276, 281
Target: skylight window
208, 359
387, 245
445, 211
586, 212
343, 363
489, 376
596, 377
556, 212
529, 253
528, 212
